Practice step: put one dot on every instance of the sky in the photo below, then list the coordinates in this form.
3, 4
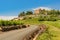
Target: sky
14, 7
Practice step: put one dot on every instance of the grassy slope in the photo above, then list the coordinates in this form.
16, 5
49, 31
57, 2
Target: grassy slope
30, 21
54, 31
54, 28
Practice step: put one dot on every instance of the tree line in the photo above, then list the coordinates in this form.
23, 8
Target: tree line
25, 13
45, 12
44, 15
50, 12
51, 15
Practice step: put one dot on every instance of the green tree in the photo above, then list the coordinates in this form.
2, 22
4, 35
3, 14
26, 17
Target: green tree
0, 23
53, 12
29, 13
21, 14
58, 12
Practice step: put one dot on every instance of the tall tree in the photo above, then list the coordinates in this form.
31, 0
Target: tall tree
58, 12
21, 14
29, 13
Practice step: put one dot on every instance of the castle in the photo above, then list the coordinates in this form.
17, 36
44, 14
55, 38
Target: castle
38, 10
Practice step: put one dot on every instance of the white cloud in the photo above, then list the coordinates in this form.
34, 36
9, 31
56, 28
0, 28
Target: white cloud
7, 17
46, 8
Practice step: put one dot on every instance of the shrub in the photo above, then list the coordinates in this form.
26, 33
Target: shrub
48, 18
9, 23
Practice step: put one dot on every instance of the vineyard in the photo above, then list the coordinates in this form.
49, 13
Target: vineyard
11, 25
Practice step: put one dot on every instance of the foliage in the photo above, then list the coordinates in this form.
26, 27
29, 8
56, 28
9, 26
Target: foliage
21, 14
48, 18
25, 13
29, 13
52, 32
9, 23
53, 12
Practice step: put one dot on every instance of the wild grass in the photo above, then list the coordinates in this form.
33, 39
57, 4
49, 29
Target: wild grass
52, 33
31, 21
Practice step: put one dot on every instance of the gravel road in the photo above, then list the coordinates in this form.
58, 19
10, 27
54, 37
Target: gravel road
18, 34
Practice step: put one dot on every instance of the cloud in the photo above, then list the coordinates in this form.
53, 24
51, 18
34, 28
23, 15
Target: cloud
7, 17
46, 8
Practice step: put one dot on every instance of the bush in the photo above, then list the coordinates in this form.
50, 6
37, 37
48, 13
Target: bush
48, 18
30, 17
9, 23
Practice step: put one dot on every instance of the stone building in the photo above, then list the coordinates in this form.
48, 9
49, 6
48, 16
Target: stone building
38, 10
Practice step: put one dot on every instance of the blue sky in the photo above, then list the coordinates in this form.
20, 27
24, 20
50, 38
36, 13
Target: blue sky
14, 7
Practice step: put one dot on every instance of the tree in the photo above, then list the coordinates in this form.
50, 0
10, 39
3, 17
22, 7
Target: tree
29, 13
43, 12
0, 23
21, 14
58, 12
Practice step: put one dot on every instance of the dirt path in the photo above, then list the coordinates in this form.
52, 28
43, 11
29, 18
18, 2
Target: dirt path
17, 34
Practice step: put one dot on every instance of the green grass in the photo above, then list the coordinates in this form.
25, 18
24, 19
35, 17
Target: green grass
31, 21
53, 23
53, 31
36, 22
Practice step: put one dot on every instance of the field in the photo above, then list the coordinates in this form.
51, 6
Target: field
53, 31
33, 21
53, 28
